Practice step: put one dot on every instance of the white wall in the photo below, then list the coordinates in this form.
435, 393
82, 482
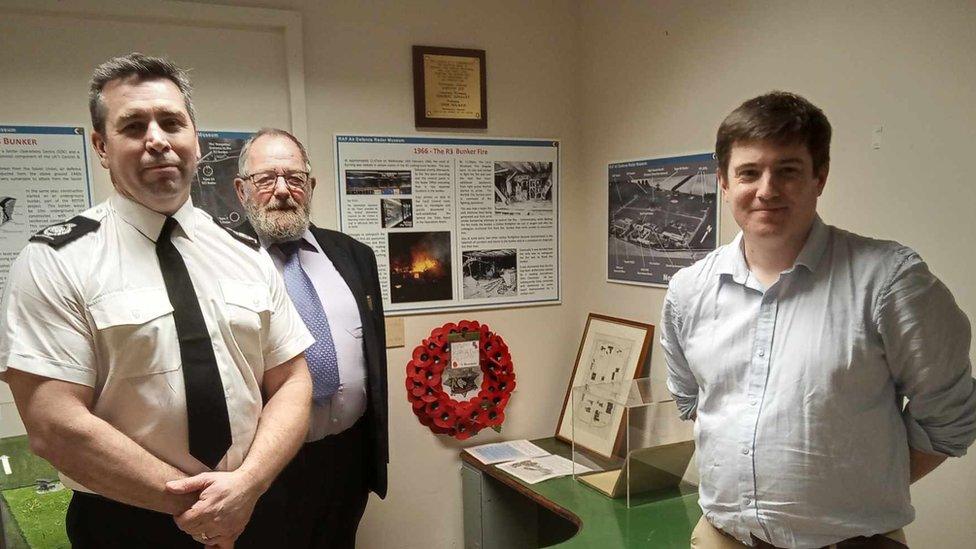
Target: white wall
658, 77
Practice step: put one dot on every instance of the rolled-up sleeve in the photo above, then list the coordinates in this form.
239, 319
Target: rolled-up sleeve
927, 339
681, 382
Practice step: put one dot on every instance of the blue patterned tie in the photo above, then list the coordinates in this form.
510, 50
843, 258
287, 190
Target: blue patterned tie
321, 356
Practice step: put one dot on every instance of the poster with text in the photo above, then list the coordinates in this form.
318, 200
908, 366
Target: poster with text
456, 223
663, 216
44, 179
213, 187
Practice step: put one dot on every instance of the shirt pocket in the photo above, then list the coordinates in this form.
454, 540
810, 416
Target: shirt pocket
247, 308
135, 332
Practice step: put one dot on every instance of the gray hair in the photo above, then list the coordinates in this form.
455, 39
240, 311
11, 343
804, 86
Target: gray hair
272, 132
143, 67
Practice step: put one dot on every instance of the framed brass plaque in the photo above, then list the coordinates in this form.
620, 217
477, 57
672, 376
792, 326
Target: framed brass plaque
449, 88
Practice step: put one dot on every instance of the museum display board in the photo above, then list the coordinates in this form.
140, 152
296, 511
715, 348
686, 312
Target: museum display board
663, 215
456, 223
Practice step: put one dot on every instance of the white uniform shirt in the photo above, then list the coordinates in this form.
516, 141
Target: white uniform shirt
349, 403
95, 312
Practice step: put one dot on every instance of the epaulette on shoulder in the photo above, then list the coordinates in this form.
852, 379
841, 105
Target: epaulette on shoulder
59, 234
242, 237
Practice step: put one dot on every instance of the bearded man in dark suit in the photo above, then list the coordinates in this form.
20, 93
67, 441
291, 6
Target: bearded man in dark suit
332, 280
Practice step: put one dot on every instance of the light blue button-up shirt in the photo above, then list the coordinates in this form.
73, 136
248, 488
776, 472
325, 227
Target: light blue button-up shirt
797, 389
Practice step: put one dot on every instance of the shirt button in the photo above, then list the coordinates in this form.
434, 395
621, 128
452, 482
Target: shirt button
335, 420
745, 451
752, 403
762, 352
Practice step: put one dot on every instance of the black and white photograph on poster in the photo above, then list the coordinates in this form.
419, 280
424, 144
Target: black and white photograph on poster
489, 273
523, 188
395, 182
663, 216
7, 204
213, 187
420, 266
396, 213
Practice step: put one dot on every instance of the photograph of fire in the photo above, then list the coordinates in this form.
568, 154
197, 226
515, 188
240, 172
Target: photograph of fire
420, 266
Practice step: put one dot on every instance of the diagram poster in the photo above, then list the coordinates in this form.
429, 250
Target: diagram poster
44, 180
663, 216
213, 187
455, 223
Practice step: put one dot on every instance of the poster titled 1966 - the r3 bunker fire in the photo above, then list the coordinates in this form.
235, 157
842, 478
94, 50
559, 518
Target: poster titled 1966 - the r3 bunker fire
663, 216
455, 222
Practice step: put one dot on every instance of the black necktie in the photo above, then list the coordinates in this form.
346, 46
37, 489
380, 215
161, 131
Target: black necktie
206, 407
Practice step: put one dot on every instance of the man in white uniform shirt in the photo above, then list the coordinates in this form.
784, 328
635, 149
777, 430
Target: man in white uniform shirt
155, 358
333, 281
794, 348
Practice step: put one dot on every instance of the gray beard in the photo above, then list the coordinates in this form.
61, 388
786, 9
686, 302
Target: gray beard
279, 225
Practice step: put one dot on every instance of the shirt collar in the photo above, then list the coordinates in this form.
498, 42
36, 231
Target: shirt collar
150, 223
816, 244
732, 261
732, 258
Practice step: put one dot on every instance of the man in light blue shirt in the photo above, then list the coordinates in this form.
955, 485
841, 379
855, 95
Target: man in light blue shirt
795, 346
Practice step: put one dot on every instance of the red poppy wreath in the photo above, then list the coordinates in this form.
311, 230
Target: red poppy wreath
438, 383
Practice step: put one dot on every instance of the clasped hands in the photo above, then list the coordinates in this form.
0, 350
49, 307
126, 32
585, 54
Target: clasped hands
225, 501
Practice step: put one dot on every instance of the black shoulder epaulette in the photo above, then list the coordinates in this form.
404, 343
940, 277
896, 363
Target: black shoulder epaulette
243, 237
59, 234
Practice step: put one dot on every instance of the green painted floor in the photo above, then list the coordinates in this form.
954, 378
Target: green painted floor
30, 520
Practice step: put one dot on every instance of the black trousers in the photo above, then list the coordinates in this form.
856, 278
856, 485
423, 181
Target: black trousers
327, 487
96, 522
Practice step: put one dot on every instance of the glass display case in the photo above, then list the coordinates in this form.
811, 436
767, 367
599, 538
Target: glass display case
631, 436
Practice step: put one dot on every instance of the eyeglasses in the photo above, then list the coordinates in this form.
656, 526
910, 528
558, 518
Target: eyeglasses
267, 180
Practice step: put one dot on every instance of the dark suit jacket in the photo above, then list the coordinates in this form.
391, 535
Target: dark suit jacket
356, 263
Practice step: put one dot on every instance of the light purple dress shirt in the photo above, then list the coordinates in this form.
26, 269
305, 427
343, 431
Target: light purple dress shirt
349, 403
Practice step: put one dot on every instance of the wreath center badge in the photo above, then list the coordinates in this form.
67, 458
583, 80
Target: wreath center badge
460, 379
